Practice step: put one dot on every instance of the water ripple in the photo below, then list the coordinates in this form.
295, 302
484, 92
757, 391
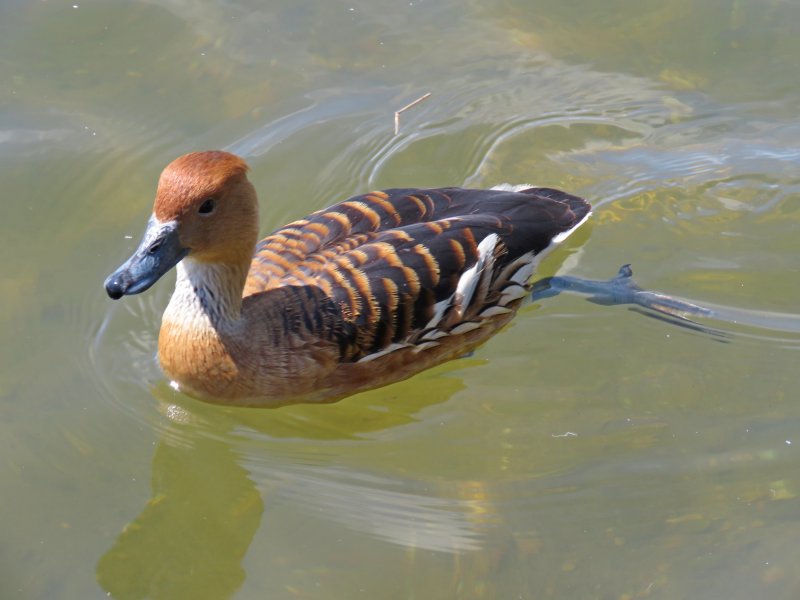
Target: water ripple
619, 138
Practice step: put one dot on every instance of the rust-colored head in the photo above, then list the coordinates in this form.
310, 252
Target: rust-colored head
212, 201
205, 210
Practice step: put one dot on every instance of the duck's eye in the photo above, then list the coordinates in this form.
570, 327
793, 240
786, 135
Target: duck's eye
207, 207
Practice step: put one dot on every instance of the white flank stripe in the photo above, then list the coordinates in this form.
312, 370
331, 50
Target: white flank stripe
523, 273
425, 346
390, 348
468, 281
565, 234
464, 327
434, 335
493, 311
438, 311
511, 293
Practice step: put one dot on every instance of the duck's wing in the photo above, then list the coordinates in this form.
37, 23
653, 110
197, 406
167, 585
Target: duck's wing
407, 267
338, 228
349, 224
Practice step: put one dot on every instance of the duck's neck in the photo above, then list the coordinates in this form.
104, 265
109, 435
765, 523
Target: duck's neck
207, 292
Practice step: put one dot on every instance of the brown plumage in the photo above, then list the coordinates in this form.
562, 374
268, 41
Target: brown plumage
363, 293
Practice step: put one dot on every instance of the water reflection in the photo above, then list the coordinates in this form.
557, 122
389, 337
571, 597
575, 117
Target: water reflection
190, 538
212, 483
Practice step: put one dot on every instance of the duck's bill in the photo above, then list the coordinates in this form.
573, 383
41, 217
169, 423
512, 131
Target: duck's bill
159, 251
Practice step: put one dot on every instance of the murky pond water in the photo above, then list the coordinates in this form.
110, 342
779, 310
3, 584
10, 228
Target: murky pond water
586, 452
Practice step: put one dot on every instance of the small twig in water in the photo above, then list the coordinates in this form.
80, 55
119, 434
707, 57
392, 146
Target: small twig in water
405, 108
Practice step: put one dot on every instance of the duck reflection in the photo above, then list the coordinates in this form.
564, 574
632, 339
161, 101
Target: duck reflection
189, 540
211, 483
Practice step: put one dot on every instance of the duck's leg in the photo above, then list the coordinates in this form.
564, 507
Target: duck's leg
622, 289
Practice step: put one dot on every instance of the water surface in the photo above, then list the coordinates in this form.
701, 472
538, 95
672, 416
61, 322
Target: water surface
585, 452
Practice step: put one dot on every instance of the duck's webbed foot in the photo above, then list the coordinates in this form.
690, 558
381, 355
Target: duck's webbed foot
622, 289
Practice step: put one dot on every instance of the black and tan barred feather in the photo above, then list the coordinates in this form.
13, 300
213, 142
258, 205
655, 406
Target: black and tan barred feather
406, 267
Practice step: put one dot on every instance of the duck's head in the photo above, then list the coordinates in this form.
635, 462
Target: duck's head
205, 209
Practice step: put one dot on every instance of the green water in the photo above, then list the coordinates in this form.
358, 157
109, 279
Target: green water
585, 452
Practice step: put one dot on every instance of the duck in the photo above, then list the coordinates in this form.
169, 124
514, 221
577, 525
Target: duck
367, 292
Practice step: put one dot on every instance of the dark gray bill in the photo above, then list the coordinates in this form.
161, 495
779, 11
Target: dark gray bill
159, 251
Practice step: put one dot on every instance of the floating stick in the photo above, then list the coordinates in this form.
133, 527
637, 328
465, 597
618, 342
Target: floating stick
405, 108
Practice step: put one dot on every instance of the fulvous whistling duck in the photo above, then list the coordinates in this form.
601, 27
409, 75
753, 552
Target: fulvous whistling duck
355, 296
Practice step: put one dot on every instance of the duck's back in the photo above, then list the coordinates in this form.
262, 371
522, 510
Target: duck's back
405, 268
